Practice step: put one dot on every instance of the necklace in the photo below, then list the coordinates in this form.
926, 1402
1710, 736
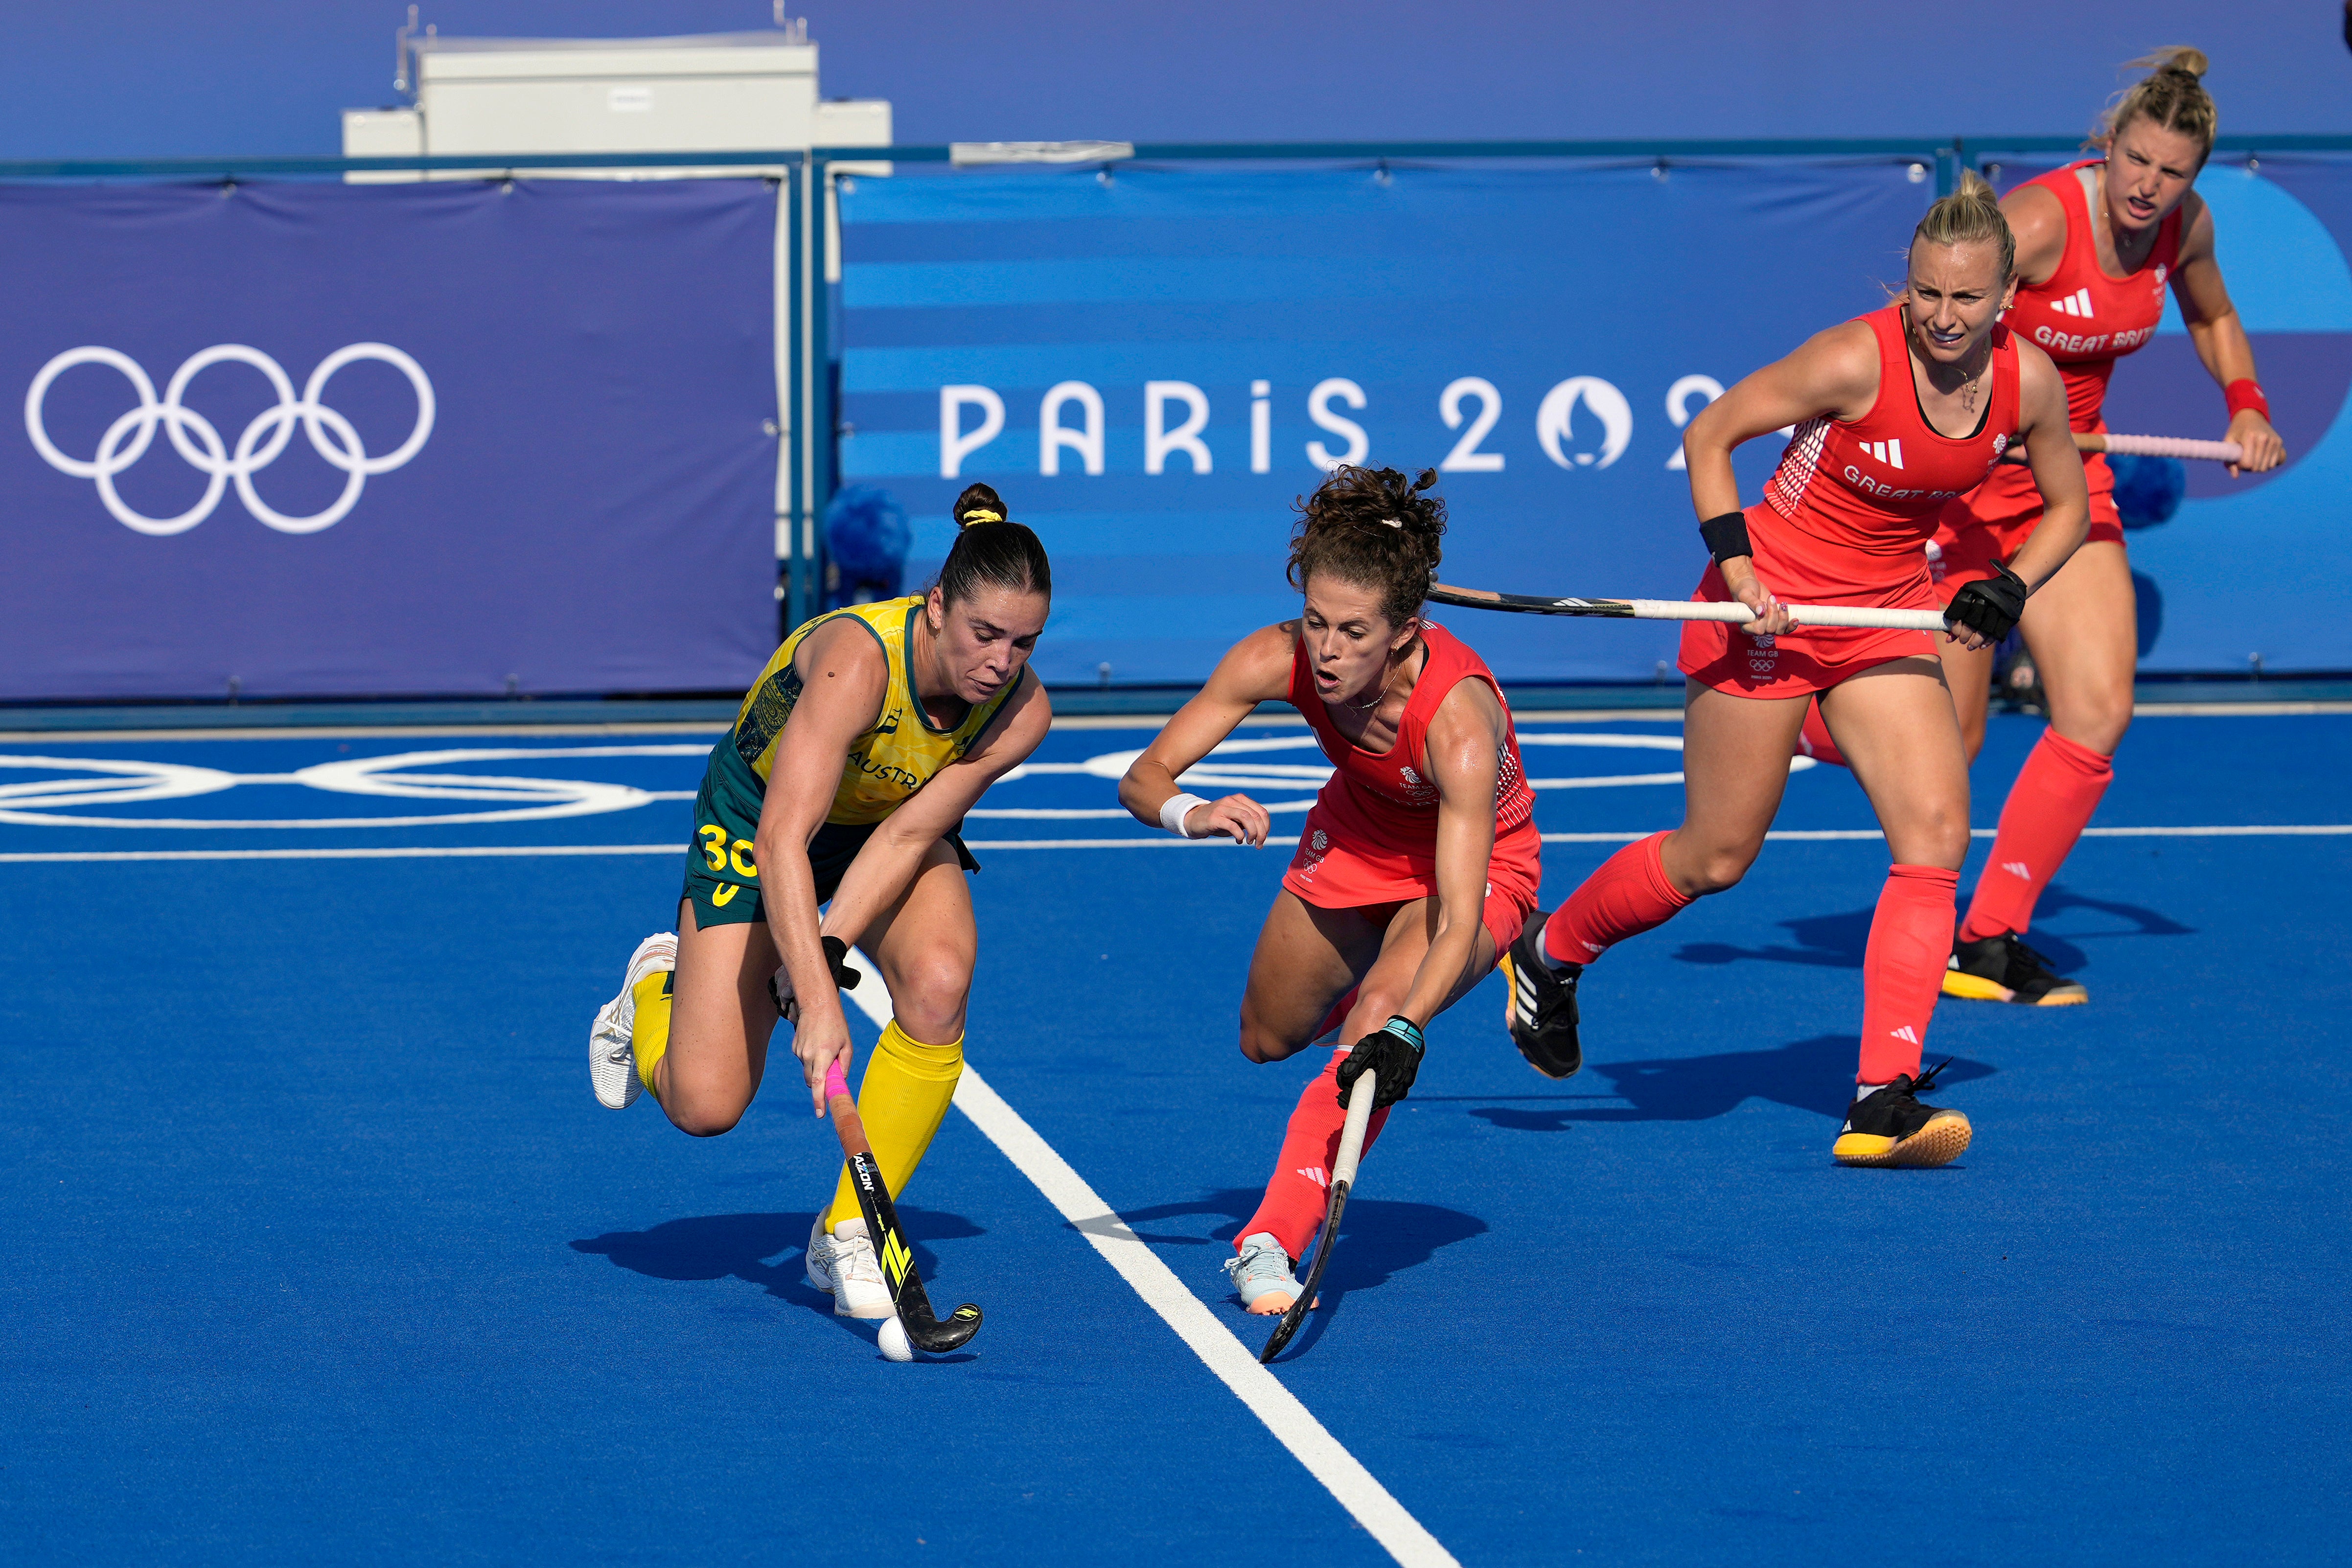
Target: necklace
1376, 702
1379, 698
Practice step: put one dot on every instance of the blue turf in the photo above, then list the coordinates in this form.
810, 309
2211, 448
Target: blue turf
321, 1250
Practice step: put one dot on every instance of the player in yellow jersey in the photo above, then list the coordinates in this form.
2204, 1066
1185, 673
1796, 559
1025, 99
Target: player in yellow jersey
845, 778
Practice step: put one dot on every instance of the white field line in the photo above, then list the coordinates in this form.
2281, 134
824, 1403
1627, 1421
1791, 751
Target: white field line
443, 852
1293, 1424
2235, 710
528, 851
1070, 721
372, 733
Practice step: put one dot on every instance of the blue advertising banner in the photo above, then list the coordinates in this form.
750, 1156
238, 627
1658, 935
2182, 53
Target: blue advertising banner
447, 438
1152, 366
2242, 576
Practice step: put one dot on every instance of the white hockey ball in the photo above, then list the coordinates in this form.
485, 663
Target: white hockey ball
893, 1341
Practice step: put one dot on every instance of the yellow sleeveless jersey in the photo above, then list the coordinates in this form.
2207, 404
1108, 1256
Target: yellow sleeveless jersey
886, 763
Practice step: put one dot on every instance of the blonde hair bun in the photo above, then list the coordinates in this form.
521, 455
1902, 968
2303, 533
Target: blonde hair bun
1971, 215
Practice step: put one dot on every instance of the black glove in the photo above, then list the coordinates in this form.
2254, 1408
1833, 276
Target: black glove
1393, 1053
1990, 608
836, 958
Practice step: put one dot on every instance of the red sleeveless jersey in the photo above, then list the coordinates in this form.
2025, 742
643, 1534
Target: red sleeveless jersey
1852, 505
2082, 318
1392, 794
1845, 520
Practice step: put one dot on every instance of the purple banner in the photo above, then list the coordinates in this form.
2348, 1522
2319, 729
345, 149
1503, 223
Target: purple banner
430, 439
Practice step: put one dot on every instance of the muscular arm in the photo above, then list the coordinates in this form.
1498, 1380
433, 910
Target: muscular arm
2038, 220
1462, 752
1834, 373
2057, 470
2219, 335
1255, 669
844, 678
886, 866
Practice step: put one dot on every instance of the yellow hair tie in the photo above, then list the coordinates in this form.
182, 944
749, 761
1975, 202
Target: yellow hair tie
971, 516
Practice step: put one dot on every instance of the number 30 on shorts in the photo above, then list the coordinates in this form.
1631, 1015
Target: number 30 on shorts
723, 856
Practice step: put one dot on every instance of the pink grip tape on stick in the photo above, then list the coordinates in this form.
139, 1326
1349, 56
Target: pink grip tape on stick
835, 1080
2173, 447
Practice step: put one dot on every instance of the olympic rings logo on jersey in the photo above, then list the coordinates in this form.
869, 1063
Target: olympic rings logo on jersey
193, 436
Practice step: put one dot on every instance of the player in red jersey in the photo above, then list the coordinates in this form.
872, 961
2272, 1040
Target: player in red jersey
1418, 862
1895, 413
2097, 242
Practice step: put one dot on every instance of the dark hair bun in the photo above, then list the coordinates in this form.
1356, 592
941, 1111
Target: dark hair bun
1376, 528
992, 551
977, 504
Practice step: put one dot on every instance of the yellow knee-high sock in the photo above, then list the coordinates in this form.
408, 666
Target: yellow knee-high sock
902, 1100
649, 1040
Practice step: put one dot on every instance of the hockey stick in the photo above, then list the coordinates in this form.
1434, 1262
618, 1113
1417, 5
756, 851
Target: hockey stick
924, 1329
1343, 1176
2162, 447
1685, 610
2146, 447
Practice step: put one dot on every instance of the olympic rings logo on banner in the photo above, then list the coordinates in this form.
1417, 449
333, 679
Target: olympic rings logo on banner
194, 438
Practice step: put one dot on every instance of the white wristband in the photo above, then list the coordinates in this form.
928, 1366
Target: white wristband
1178, 806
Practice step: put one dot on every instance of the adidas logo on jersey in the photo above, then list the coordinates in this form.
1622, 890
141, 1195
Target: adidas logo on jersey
1887, 452
1906, 1036
2078, 303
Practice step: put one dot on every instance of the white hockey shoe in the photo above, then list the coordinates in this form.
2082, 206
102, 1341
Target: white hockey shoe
845, 1264
611, 1057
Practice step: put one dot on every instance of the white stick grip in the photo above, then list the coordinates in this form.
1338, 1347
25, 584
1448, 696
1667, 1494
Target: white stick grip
1806, 615
1351, 1134
2174, 447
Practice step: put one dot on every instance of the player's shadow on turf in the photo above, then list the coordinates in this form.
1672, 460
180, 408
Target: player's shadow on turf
739, 1247
1838, 941
1380, 1237
1805, 1075
1829, 942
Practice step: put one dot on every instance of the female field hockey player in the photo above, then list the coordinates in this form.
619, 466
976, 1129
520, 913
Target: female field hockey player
1418, 861
1896, 412
846, 776
2097, 243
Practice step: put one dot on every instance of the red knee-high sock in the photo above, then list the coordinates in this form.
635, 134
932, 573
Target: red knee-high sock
1629, 895
2047, 809
1902, 968
1291, 1209
1814, 741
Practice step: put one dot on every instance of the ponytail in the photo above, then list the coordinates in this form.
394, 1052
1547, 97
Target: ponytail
2172, 95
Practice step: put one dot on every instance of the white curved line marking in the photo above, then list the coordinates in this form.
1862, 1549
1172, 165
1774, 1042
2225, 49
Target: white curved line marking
33, 802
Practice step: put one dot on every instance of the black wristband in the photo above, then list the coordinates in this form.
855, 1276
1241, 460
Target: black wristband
836, 957
1726, 536
1990, 607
